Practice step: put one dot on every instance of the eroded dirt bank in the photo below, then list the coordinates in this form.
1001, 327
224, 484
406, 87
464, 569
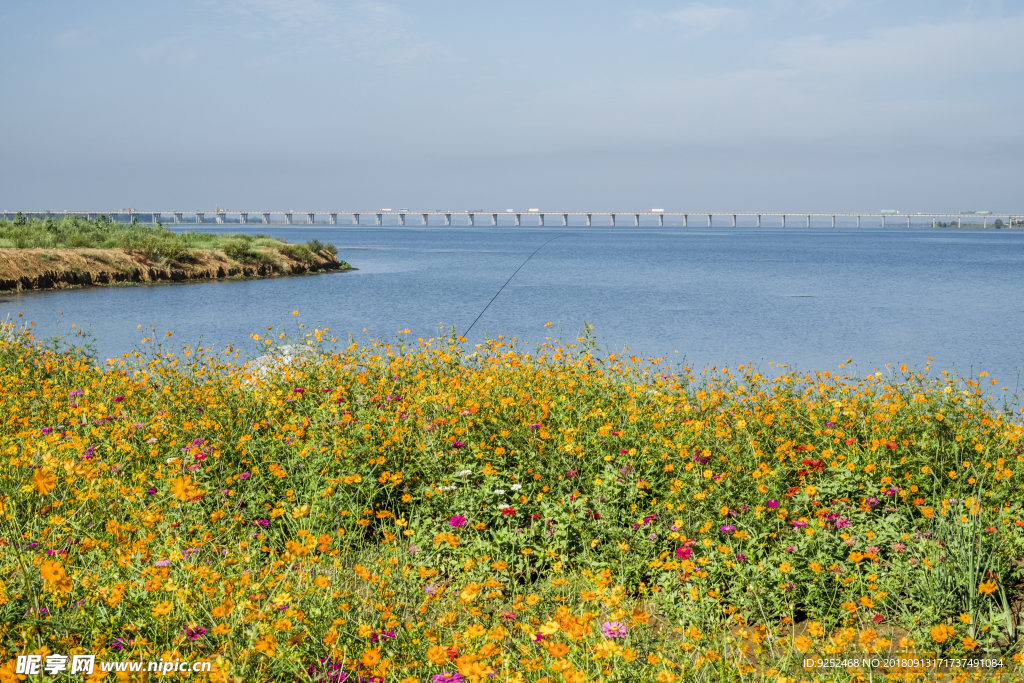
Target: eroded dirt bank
22, 269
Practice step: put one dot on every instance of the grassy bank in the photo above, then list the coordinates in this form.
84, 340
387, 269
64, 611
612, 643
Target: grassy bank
155, 242
419, 511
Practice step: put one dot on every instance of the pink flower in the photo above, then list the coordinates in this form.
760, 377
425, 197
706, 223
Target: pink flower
614, 629
684, 553
457, 522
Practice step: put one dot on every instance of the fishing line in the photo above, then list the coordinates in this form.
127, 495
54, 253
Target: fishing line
513, 275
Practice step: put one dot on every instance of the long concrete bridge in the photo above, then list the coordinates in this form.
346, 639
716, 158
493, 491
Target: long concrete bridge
532, 216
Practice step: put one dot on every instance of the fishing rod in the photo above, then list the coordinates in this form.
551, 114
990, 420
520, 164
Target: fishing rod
513, 275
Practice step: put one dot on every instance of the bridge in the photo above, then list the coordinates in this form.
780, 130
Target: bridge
530, 216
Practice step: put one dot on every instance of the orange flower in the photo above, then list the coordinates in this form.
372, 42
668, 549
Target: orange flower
987, 587
183, 489
557, 650
370, 658
942, 633
266, 644
53, 573
43, 481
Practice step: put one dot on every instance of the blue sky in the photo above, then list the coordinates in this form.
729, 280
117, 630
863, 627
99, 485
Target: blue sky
798, 105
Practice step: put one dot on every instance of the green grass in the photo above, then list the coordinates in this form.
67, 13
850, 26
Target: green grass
155, 242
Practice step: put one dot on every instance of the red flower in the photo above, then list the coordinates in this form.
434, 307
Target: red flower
878, 618
891, 446
508, 511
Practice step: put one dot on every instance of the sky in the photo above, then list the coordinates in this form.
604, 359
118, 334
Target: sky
775, 105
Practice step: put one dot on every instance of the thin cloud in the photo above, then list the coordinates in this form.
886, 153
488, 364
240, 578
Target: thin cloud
169, 51
695, 19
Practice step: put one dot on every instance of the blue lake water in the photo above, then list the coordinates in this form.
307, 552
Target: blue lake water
808, 297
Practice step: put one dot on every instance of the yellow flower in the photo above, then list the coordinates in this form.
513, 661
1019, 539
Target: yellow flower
162, 609
300, 512
785, 567
987, 587
282, 625
549, 629
811, 491
966, 618
364, 631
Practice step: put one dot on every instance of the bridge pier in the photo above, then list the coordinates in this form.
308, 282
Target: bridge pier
219, 217
685, 217
380, 219
734, 220
243, 218
613, 219
266, 218
933, 221
661, 220
519, 219
565, 219
200, 217
288, 217
589, 222
177, 217
833, 221
334, 219
355, 219
494, 219
423, 218
447, 219
310, 218
401, 219
959, 221
783, 220
759, 220
709, 220
540, 216
858, 221
470, 219
154, 219
808, 220
883, 220
908, 221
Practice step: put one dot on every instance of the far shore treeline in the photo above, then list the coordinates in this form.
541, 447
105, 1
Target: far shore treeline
156, 242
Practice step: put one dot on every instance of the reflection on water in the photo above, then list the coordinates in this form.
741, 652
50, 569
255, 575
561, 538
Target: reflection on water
807, 297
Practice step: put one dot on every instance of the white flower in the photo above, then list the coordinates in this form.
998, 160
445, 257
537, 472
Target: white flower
170, 460
503, 506
499, 492
516, 487
447, 488
463, 473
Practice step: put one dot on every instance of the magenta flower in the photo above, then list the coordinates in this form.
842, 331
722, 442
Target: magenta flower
684, 553
727, 528
244, 475
457, 522
772, 504
614, 629
457, 444
447, 677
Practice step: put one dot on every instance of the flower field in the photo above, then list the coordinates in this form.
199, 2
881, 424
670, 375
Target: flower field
423, 510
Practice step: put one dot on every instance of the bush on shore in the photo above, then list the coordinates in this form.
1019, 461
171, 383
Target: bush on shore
418, 511
155, 242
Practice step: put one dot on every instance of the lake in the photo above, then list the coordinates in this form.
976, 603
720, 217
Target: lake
807, 297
